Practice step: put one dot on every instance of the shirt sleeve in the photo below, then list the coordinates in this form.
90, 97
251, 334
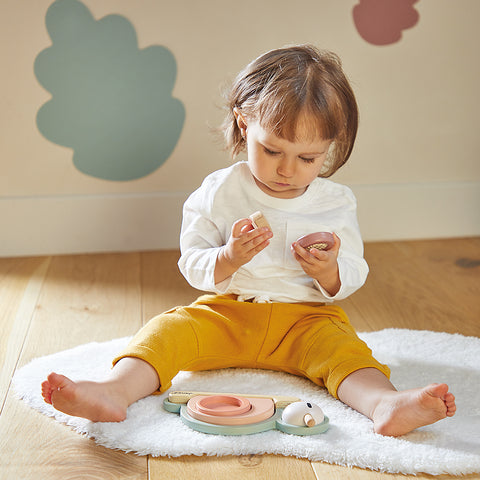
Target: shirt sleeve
200, 241
352, 267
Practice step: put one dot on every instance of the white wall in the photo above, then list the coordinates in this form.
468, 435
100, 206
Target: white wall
414, 169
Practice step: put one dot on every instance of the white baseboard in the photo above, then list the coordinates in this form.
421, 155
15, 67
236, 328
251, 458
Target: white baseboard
418, 211
118, 223
87, 224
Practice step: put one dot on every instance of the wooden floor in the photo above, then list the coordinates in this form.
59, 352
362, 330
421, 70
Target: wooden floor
49, 304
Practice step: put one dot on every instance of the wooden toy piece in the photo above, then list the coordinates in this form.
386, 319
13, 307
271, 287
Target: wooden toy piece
309, 421
280, 401
259, 221
303, 414
318, 240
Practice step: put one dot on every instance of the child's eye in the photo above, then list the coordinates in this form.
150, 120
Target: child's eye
307, 160
270, 152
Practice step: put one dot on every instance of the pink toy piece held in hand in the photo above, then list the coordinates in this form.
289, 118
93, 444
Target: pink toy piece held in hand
318, 240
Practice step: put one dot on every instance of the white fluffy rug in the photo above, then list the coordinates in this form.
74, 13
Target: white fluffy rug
451, 446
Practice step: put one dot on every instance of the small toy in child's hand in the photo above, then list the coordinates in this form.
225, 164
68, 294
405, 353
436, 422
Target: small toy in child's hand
236, 414
318, 240
259, 221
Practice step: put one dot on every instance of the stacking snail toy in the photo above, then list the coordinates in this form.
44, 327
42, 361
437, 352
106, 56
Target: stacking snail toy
236, 414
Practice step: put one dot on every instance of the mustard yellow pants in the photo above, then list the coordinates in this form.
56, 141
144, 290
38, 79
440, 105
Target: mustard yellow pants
311, 340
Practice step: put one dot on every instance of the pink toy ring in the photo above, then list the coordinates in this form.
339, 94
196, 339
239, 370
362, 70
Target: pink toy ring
230, 409
318, 240
223, 405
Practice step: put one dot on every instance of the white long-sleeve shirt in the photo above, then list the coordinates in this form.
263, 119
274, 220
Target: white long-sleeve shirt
274, 275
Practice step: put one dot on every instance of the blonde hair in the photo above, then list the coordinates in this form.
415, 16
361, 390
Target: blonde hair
284, 85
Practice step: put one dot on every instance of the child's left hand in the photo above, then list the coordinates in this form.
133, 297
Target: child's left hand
320, 265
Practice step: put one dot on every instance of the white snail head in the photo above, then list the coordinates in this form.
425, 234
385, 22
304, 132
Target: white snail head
303, 414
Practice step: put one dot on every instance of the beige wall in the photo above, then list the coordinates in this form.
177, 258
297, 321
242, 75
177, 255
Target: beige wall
415, 167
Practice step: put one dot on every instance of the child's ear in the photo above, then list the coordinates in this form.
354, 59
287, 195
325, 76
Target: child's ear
241, 122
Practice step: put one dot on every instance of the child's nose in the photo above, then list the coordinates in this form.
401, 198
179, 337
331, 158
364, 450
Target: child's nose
286, 167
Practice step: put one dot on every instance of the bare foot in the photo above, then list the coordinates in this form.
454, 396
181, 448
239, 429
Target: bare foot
401, 412
98, 402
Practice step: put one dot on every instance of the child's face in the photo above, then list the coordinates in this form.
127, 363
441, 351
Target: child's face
281, 168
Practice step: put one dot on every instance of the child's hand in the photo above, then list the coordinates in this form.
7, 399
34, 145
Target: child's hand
320, 265
244, 243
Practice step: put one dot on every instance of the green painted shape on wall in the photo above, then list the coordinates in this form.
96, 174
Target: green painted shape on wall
111, 102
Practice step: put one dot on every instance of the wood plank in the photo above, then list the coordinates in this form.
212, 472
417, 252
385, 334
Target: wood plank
455, 274
163, 286
33, 446
232, 468
20, 283
337, 472
356, 316
84, 298
401, 291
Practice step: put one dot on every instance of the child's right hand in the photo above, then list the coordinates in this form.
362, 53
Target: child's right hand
244, 243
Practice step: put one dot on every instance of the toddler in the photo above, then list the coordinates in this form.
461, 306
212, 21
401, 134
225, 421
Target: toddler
294, 113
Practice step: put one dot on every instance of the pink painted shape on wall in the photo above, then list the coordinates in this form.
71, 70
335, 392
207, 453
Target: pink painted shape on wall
381, 22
